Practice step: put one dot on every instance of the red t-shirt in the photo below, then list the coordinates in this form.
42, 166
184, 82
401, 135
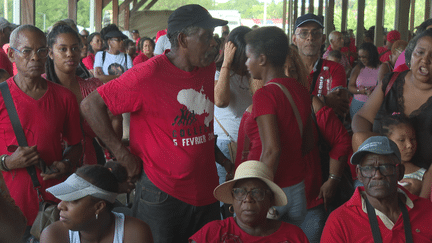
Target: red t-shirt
171, 125
337, 72
44, 122
227, 230
349, 223
5, 63
139, 59
88, 61
335, 134
270, 99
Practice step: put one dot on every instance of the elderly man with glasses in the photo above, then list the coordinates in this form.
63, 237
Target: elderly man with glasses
381, 211
309, 38
48, 113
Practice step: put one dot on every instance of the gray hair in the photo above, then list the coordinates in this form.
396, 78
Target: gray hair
14, 37
188, 31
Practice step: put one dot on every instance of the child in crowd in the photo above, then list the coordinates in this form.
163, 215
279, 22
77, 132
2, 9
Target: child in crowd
335, 56
4, 75
399, 129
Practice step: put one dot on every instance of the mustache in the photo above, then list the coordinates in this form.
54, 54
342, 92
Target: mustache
379, 183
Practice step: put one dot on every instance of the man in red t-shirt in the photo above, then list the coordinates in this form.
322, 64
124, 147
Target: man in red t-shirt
309, 38
379, 168
48, 113
5, 30
171, 100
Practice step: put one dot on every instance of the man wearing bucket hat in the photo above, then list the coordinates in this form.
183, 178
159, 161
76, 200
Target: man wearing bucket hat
252, 193
171, 100
382, 211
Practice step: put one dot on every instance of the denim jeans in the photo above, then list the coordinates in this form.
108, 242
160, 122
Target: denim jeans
170, 219
295, 211
314, 222
223, 146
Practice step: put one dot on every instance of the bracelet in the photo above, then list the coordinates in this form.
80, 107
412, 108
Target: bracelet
225, 67
358, 91
3, 166
335, 177
68, 162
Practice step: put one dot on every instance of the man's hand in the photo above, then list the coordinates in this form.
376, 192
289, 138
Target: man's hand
60, 169
133, 165
229, 167
328, 191
23, 157
338, 100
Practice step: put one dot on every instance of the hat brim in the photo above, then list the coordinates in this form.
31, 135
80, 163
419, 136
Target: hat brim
65, 192
310, 20
223, 191
212, 23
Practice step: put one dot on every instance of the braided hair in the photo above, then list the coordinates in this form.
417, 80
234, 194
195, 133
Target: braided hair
52, 39
390, 121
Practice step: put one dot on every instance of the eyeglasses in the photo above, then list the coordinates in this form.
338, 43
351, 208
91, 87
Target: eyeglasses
385, 170
305, 34
28, 53
257, 194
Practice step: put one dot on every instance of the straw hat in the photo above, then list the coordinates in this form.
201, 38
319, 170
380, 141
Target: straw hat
250, 169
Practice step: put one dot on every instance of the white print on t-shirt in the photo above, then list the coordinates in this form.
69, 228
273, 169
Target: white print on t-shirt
197, 103
194, 103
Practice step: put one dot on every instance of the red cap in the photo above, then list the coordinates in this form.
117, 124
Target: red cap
393, 36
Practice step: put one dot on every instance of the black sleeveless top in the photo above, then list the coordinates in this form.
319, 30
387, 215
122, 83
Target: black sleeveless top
420, 118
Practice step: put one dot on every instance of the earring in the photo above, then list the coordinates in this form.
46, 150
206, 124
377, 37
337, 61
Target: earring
97, 215
231, 209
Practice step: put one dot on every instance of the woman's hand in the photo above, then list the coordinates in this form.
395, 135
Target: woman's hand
229, 52
328, 191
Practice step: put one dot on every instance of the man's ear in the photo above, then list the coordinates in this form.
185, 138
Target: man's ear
294, 40
11, 54
182, 40
262, 60
51, 53
359, 175
324, 37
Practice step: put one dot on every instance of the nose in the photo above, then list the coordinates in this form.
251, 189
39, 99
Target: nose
249, 197
378, 173
61, 206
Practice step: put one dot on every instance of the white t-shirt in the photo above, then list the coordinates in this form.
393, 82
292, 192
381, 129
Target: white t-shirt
113, 64
240, 100
162, 44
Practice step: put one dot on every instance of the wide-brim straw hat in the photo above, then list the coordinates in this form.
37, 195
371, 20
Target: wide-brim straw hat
251, 169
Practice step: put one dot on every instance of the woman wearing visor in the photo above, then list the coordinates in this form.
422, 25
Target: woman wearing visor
85, 210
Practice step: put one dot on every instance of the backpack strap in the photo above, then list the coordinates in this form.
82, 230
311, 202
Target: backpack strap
391, 82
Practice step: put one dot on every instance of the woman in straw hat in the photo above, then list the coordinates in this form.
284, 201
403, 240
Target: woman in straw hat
88, 197
252, 193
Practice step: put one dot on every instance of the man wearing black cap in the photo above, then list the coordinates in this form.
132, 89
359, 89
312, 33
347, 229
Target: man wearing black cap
171, 100
309, 38
381, 211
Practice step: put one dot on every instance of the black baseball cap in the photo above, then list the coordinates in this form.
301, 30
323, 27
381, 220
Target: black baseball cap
309, 18
134, 31
115, 33
192, 15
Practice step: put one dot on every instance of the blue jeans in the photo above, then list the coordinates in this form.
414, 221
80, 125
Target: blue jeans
223, 146
170, 219
314, 222
295, 211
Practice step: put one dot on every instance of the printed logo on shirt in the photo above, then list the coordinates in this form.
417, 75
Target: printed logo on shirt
195, 104
115, 69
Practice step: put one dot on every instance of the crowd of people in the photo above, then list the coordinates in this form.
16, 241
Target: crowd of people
311, 144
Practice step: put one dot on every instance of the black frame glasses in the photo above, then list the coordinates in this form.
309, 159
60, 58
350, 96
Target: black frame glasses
257, 194
28, 53
385, 170
314, 33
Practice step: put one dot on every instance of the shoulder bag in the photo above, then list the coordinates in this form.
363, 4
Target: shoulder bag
232, 146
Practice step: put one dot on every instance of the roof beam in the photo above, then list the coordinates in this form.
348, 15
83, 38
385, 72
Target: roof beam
150, 4
138, 5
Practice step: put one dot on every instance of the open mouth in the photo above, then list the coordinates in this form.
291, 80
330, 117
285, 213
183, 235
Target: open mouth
423, 71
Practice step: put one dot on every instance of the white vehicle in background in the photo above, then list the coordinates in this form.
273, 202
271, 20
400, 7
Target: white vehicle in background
232, 16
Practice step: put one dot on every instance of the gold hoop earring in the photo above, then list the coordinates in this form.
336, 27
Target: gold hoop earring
231, 209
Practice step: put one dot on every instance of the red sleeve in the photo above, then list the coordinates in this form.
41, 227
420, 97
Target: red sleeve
88, 62
333, 132
338, 75
263, 102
